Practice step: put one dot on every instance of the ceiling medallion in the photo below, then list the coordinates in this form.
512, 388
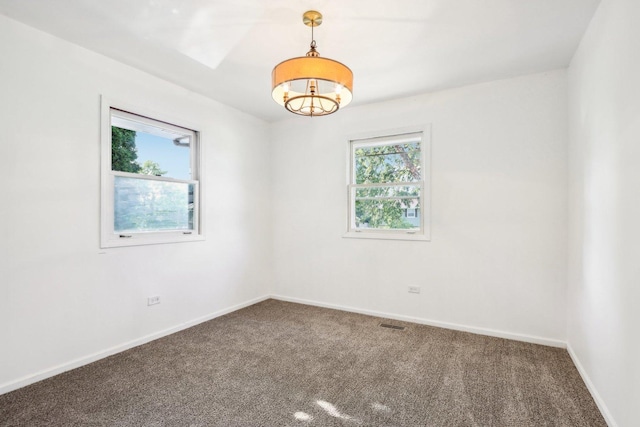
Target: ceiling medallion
310, 85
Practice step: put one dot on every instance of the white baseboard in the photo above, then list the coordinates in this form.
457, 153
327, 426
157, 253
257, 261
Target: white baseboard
439, 324
604, 410
85, 360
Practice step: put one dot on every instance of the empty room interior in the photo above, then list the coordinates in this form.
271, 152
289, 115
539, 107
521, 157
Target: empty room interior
320, 213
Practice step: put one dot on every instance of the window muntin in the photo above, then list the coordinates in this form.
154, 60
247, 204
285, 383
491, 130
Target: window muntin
152, 192
387, 186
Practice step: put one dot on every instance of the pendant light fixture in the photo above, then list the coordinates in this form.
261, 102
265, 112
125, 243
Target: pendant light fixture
310, 85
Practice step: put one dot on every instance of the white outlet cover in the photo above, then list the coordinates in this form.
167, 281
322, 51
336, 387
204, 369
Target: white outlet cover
153, 300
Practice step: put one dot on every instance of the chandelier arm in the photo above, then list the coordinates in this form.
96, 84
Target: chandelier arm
334, 105
313, 104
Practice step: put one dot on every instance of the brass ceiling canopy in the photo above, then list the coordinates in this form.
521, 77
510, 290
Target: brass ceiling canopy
312, 18
310, 85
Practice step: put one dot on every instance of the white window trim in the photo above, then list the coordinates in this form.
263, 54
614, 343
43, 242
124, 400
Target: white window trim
110, 239
425, 194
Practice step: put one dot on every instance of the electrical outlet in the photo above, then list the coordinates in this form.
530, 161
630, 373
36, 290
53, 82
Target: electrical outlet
414, 289
153, 300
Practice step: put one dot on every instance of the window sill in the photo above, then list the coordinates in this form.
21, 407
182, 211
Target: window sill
149, 240
382, 235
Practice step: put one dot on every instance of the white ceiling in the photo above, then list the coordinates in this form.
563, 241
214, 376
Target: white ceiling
226, 49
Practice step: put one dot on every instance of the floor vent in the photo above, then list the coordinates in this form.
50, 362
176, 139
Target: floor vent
388, 326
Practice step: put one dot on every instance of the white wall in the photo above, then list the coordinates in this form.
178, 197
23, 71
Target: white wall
61, 297
604, 209
496, 262
497, 258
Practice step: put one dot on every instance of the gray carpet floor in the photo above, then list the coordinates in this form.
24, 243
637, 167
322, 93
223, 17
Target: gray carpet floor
284, 364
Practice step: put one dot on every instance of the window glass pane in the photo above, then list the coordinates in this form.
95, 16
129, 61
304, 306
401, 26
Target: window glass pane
148, 205
149, 147
387, 214
387, 163
148, 154
409, 191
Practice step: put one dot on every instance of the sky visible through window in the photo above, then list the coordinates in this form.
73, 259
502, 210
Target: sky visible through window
170, 158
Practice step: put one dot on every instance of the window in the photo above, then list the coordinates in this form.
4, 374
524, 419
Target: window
150, 190
388, 186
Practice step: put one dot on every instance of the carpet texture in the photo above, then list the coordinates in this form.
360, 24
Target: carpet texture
282, 364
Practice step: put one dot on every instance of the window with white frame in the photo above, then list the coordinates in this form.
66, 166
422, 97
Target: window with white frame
150, 188
388, 186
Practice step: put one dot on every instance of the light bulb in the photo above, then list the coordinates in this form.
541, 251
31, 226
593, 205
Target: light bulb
338, 89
